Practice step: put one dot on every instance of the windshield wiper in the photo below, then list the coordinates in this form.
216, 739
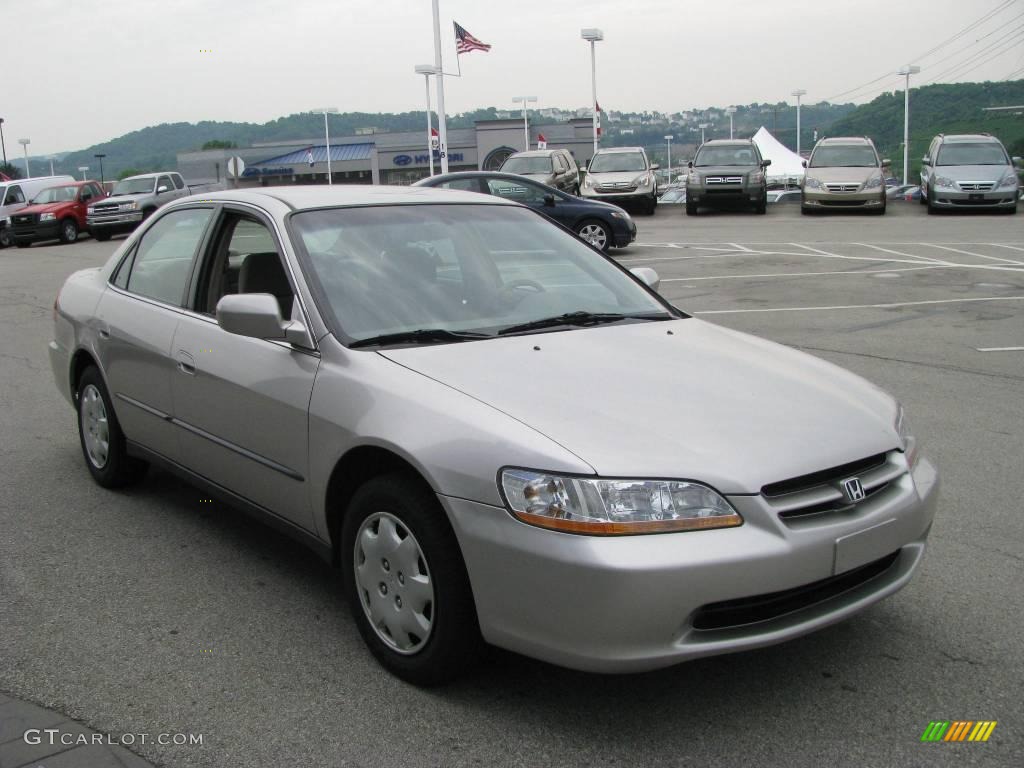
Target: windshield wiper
419, 336
580, 319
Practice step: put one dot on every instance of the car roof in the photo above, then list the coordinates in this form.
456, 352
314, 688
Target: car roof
861, 140
535, 153
324, 196
970, 137
614, 150
148, 175
728, 143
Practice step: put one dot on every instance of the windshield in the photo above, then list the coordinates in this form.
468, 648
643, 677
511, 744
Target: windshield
527, 165
462, 268
606, 162
836, 156
972, 154
741, 155
133, 187
56, 195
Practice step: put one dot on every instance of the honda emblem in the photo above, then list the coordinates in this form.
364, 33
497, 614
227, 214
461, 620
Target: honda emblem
854, 490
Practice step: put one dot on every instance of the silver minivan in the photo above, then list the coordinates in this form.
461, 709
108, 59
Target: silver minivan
969, 171
15, 194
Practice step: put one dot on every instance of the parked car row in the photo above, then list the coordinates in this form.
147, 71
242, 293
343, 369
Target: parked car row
60, 208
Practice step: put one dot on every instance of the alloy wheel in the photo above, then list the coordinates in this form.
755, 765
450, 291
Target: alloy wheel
95, 426
594, 234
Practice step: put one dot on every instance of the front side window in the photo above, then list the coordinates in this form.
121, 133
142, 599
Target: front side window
163, 260
166, 183
838, 156
455, 268
611, 162
66, 194
972, 154
710, 156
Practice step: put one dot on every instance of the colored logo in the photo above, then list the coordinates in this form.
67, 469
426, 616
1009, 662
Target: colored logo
402, 159
958, 730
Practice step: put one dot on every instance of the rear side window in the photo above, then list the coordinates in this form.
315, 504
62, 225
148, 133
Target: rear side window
178, 182
14, 195
163, 261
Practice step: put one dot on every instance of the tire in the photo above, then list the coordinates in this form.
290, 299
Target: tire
805, 211
691, 208
147, 212
595, 232
23, 243
762, 206
446, 640
922, 200
932, 210
6, 241
101, 235
103, 443
68, 231
652, 205
575, 190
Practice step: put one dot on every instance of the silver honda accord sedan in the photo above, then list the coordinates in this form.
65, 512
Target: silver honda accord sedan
498, 433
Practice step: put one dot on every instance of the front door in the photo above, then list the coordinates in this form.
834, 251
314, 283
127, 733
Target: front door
241, 404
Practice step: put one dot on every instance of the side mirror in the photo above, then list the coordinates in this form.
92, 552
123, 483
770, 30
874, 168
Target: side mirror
549, 201
648, 275
803, 163
690, 164
161, 189
1018, 162
765, 163
926, 160
886, 162
258, 316
655, 166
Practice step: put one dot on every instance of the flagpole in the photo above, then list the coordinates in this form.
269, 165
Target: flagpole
430, 148
442, 128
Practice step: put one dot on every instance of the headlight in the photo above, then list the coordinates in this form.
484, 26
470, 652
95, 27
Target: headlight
756, 177
945, 181
48, 217
619, 215
128, 206
642, 180
1009, 181
605, 507
873, 183
811, 183
908, 443
588, 182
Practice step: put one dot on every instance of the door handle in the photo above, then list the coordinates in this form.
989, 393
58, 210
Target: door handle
186, 363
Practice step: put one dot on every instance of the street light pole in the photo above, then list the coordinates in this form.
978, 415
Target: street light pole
24, 145
2, 143
730, 111
907, 71
669, 140
100, 158
702, 126
427, 70
325, 111
798, 93
593, 36
526, 123
442, 126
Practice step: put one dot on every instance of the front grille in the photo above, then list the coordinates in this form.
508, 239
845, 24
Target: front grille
723, 180
842, 187
25, 220
977, 186
751, 610
103, 209
824, 492
617, 188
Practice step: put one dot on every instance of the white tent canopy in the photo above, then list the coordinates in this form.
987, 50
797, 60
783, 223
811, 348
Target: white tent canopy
785, 163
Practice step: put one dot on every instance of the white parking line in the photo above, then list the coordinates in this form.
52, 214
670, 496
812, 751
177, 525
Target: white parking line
972, 253
1000, 349
830, 255
806, 274
901, 253
856, 306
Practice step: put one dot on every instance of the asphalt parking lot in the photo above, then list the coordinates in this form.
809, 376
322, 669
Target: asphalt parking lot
148, 611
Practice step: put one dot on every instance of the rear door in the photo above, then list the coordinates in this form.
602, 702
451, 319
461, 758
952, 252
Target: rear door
242, 403
137, 317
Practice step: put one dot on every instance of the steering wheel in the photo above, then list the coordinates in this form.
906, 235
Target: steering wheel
523, 282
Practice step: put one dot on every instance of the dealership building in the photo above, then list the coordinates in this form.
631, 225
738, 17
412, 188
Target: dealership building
380, 158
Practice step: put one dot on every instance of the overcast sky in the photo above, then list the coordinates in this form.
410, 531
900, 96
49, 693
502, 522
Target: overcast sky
77, 73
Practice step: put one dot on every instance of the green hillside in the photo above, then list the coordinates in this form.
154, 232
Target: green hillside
940, 108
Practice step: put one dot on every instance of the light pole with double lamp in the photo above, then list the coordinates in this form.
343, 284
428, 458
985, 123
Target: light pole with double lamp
730, 111
427, 70
325, 111
524, 100
2, 143
668, 139
907, 71
592, 36
798, 93
100, 157
24, 145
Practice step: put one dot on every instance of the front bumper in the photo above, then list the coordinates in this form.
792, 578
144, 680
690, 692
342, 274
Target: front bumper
617, 194
60, 365
34, 233
822, 198
724, 194
955, 198
624, 232
630, 603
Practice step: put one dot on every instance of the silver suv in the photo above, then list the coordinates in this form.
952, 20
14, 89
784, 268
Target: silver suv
622, 175
844, 172
133, 200
969, 171
553, 167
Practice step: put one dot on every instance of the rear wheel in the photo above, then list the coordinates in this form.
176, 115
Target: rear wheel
68, 231
103, 443
406, 582
596, 233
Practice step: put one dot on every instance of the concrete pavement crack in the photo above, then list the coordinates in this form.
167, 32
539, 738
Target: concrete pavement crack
938, 366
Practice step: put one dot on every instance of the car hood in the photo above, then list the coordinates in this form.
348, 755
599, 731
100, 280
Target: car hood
45, 208
121, 198
704, 403
542, 178
973, 172
837, 173
613, 177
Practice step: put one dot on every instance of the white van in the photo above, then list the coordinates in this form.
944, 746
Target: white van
14, 195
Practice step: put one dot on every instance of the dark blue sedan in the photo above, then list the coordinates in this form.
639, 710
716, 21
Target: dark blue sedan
603, 225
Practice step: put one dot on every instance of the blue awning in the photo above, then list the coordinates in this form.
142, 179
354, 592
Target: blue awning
339, 153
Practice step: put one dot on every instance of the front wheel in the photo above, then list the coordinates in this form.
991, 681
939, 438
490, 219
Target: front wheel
691, 208
5, 238
68, 231
575, 190
103, 443
652, 204
762, 205
101, 235
596, 233
406, 582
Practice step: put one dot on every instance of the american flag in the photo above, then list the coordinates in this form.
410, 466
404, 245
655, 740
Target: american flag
465, 42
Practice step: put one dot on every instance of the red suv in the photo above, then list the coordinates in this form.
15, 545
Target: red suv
56, 213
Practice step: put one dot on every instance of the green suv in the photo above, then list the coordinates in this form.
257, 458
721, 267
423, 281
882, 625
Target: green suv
727, 173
